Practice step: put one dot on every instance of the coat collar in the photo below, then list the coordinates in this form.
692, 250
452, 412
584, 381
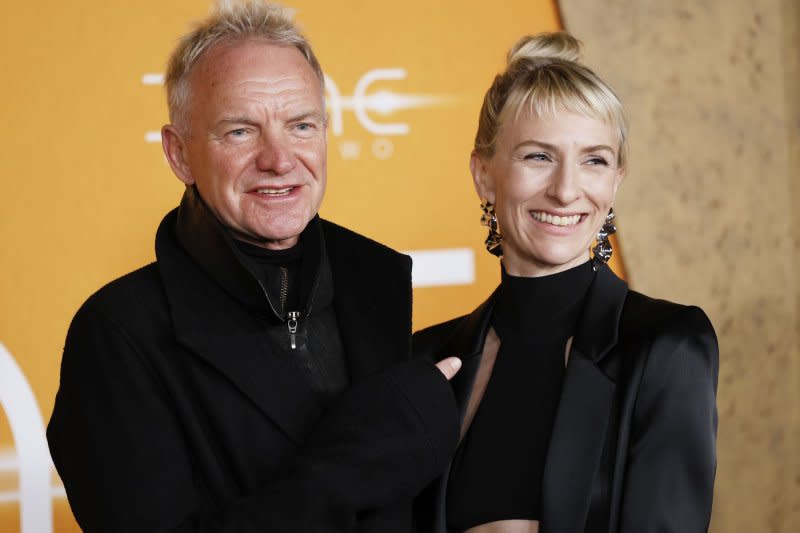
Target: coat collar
218, 309
211, 246
580, 427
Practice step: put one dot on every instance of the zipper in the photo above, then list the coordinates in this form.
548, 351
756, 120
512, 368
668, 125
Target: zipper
292, 317
284, 287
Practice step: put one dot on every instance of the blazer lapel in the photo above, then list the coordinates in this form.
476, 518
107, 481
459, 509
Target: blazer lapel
467, 343
579, 431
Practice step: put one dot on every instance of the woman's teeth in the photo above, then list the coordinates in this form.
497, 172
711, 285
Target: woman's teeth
275, 192
556, 220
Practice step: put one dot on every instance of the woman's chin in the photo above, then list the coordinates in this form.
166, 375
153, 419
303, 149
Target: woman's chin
541, 264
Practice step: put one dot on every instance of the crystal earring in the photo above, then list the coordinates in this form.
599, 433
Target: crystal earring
489, 219
602, 251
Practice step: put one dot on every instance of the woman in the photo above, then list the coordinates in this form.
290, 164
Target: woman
584, 406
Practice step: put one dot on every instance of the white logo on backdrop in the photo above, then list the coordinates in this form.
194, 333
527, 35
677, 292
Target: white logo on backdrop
365, 106
32, 461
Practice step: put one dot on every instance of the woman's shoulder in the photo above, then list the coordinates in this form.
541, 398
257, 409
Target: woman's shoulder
679, 340
644, 317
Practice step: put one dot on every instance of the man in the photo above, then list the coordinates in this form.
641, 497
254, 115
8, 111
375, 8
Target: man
256, 376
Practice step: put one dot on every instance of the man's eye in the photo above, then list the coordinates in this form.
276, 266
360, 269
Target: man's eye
238, 132
304, 126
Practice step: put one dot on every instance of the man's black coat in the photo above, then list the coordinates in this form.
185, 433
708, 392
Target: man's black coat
172, 413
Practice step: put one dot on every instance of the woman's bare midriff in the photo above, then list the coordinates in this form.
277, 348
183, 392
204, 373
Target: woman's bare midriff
507, 526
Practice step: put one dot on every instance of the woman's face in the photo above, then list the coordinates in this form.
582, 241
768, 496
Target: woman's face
552, 180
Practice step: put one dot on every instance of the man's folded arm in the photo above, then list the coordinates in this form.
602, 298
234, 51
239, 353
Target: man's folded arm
120, 449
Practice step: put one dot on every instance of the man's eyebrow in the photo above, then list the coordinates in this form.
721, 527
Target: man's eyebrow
243, 119
314, 115
236, 119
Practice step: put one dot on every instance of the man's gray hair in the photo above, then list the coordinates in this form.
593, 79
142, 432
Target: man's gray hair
230, 21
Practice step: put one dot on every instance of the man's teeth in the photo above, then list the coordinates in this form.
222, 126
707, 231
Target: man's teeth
555, 219
275, 192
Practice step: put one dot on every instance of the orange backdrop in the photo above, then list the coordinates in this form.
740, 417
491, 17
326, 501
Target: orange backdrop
85, 184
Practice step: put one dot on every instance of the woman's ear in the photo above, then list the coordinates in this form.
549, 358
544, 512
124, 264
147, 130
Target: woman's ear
484, 185
618, 180
175, 150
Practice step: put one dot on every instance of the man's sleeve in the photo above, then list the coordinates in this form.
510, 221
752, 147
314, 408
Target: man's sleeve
119, 449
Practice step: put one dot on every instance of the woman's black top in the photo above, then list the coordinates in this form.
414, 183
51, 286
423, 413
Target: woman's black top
497, 471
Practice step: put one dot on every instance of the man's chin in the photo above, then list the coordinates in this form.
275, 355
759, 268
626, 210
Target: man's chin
272, 239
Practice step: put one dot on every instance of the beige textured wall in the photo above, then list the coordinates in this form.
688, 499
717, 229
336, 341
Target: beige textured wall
709, 212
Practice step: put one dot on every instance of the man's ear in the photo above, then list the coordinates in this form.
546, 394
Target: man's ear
484, 185
174, 146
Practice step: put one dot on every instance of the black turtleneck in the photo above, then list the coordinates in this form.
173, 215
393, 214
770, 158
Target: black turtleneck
498, 469
280, 274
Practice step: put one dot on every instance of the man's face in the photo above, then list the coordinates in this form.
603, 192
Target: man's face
255, 143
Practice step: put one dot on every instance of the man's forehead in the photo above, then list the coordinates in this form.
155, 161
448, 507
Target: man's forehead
243, 76
227, 54
228, 67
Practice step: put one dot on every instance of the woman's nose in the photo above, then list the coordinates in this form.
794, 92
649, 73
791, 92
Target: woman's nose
564, 184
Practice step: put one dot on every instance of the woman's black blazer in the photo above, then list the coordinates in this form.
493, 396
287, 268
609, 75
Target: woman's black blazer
633, 444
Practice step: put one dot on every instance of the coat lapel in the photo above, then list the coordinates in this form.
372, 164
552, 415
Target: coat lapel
580, 428
372, 298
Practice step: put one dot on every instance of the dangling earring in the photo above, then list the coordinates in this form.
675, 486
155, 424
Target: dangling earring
489, 219
603, 250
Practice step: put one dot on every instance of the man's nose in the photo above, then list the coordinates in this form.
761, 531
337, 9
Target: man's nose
275, 154
564, 185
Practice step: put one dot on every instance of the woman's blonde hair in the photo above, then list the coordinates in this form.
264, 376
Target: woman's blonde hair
544, 74
231, 21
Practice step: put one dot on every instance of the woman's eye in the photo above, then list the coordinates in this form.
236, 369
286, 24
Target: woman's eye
598, 161
537, 156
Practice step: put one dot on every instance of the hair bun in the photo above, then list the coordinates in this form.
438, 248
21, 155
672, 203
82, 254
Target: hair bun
557, 45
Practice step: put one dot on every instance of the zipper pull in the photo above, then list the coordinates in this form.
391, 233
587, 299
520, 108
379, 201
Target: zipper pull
291, 322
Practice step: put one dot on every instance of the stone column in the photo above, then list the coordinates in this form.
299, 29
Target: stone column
709, 213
